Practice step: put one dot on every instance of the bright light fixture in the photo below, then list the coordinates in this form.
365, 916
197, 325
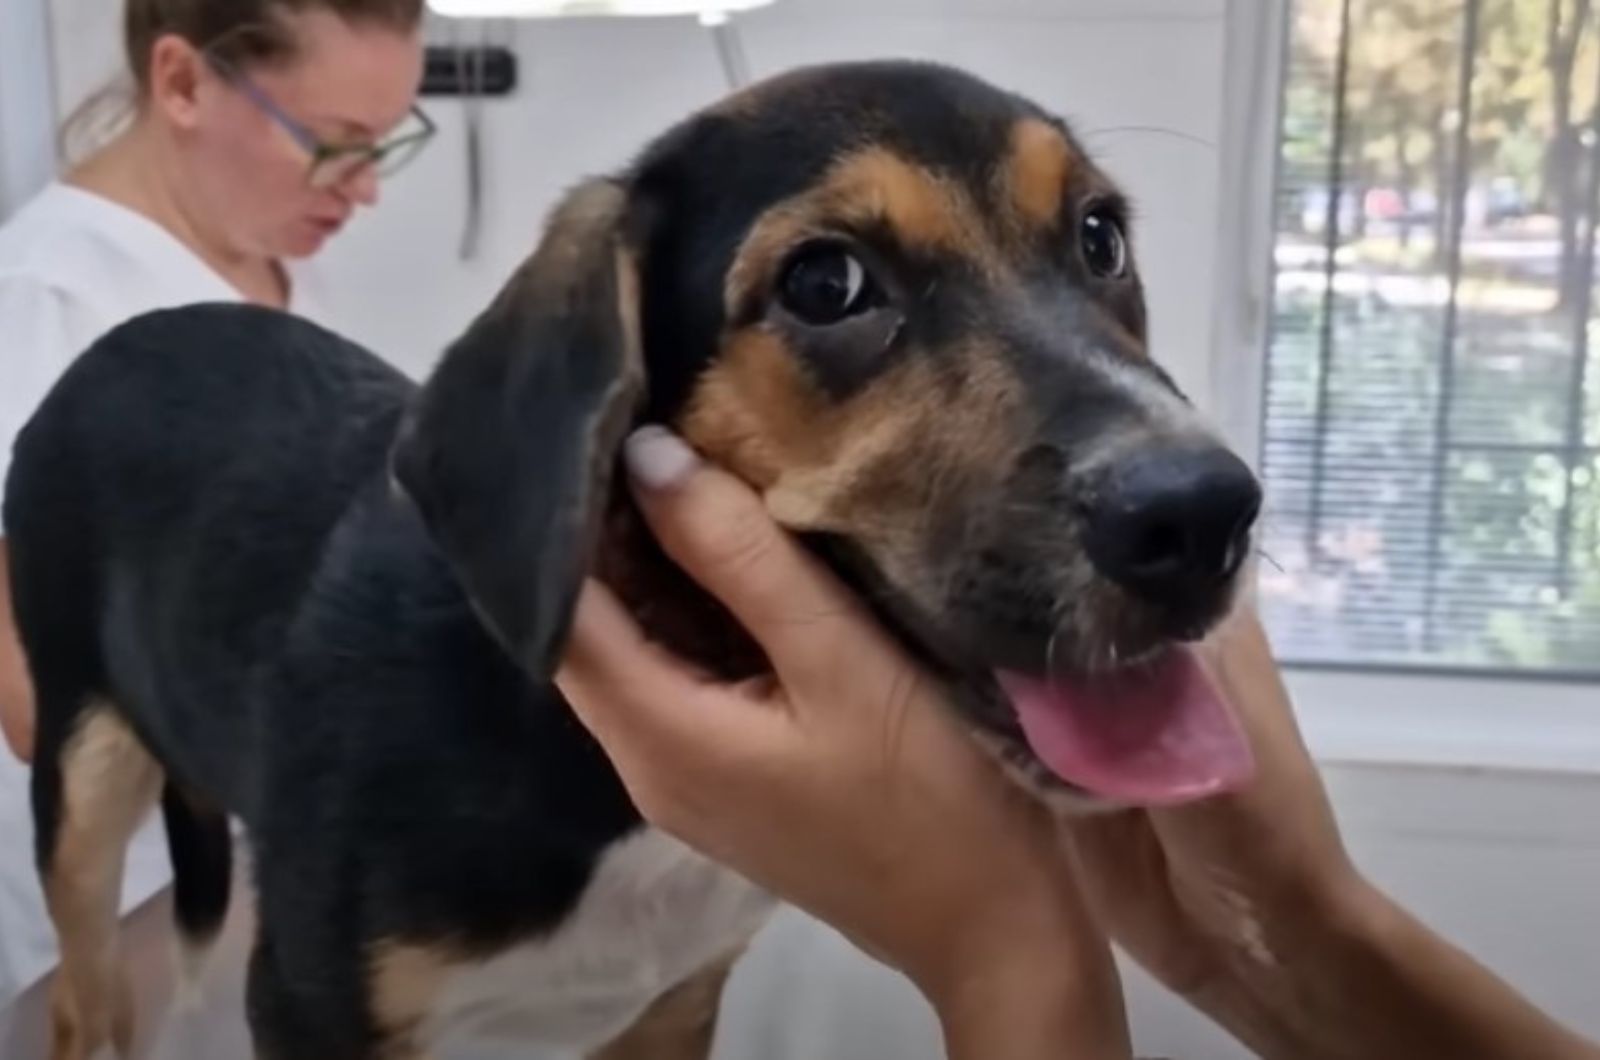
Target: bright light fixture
709, 10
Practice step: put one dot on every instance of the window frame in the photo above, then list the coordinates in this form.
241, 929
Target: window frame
1353, 712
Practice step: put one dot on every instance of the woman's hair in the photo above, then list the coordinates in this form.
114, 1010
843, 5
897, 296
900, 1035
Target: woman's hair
242, 33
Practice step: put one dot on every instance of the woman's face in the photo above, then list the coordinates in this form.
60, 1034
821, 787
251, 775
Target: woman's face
346, 85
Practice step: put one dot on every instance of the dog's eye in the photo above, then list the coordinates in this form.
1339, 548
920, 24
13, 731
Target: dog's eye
825, 284
1105, 248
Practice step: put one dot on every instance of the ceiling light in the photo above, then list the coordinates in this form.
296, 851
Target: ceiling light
708, 10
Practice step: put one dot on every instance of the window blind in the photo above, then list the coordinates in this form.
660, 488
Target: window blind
1431, 429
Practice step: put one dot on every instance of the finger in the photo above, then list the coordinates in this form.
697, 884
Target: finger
1239, 657
642, 703
719, 532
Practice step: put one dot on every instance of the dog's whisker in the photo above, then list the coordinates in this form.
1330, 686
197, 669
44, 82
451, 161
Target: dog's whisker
1151, 130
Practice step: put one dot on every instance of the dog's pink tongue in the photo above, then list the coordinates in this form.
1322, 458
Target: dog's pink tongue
1149, 735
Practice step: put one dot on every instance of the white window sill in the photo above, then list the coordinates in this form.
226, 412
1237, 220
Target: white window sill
1473, 722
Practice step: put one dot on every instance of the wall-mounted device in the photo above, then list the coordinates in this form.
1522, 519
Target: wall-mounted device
462, 70
475, 72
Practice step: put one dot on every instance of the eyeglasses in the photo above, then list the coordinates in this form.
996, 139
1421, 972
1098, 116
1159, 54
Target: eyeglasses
334, 164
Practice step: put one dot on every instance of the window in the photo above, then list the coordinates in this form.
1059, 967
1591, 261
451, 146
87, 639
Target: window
1431, 431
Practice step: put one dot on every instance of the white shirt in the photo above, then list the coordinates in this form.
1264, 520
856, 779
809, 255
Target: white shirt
73, 265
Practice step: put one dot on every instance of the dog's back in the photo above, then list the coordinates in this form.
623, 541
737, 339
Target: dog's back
224, 440
167, 505
228, 607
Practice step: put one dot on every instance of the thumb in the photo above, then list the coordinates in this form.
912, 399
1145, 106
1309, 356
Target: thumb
642, 703
718, 530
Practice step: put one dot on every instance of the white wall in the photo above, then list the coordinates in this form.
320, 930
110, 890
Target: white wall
596, 90
88, 48
27, 152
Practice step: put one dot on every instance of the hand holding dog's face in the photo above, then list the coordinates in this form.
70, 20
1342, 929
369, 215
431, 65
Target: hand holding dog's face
902, 305
848, 745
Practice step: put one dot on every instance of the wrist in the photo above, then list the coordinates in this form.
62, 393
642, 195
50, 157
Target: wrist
1292, 985
1033, 977
1034, 1006
1361, 977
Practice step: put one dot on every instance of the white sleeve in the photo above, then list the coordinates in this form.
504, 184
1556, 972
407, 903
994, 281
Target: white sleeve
44, 327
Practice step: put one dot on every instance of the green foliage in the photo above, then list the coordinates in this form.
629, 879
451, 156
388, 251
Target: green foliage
1485, 552
1403, 86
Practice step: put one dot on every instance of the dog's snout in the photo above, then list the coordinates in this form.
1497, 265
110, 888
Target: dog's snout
1167, 524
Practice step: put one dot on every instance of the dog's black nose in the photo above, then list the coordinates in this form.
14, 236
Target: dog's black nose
1167, 524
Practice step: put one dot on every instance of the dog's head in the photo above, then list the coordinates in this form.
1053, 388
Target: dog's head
902, 305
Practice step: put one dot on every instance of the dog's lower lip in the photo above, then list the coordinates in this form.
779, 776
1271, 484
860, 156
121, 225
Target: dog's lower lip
993, 716
1014, 752
1040, 774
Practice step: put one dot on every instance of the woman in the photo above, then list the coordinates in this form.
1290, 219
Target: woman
1247, 904
257, 128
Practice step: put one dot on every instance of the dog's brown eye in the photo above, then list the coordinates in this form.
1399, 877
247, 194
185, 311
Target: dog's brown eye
825, 284
1105, 248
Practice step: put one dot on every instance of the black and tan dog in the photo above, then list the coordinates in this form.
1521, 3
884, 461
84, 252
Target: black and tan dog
259, 574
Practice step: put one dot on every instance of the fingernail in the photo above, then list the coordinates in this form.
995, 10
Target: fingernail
658, 459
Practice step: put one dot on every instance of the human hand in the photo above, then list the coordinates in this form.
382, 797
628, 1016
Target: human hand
16, 720
1202, 893
842, 783
1248, 905
16, 690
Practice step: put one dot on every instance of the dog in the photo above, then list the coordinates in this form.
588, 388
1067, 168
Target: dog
262, 576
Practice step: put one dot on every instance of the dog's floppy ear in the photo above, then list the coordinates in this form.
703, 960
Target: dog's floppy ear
508, 450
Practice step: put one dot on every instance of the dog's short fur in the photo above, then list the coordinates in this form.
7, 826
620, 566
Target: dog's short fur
260, 574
